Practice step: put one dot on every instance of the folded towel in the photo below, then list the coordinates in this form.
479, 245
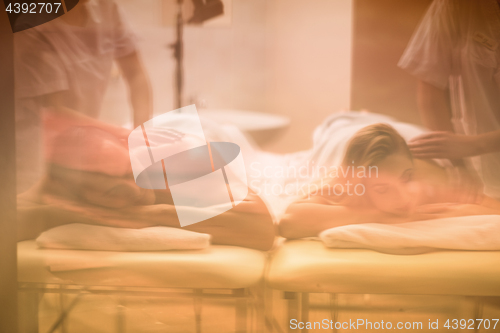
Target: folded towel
480, 233
78, 236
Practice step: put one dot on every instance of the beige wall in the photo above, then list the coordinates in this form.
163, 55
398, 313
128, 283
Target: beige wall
289, 57
310, 58
225, 67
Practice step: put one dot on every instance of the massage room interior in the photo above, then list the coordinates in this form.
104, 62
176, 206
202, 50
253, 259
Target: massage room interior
259, 166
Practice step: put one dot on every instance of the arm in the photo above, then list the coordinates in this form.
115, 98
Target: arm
308, 218
57, 108
436, 115
433, 104
488, 142
488, 206
491, 203
304, 219
138, 86
434, 108
249, 224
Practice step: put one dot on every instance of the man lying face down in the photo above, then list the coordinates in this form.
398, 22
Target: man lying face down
89, 180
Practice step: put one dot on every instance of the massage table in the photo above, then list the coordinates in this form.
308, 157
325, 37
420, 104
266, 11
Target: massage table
300, 267
216, 272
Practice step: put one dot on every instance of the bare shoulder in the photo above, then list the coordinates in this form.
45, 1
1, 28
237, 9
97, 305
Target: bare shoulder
431, 172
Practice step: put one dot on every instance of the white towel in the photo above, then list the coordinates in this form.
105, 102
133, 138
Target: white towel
480, 233
78, 236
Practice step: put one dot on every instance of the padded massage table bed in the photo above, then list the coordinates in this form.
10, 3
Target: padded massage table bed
194, 273
300, 267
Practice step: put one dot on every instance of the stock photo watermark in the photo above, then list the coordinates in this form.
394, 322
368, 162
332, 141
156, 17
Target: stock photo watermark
309, 179
204, 178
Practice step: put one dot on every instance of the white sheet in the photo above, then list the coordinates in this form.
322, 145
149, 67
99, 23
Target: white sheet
478, 233
78, 236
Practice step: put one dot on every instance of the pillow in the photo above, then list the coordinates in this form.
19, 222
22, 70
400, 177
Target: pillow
78, 236
471, 233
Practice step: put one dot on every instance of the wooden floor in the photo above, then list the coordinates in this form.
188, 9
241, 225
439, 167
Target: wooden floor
99, 313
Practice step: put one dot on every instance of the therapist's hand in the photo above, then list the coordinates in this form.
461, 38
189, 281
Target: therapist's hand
444, 145
467, 185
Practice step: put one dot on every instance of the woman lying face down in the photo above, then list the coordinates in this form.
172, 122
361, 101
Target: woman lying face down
89, 180
380, 182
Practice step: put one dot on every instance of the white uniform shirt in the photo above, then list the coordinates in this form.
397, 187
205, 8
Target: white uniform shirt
56, 56
456, 46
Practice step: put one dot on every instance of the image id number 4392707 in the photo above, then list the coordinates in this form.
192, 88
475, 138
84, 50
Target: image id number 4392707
33, 7
454, 324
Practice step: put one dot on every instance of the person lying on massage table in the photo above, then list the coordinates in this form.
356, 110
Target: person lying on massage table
89, 180
387, 186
